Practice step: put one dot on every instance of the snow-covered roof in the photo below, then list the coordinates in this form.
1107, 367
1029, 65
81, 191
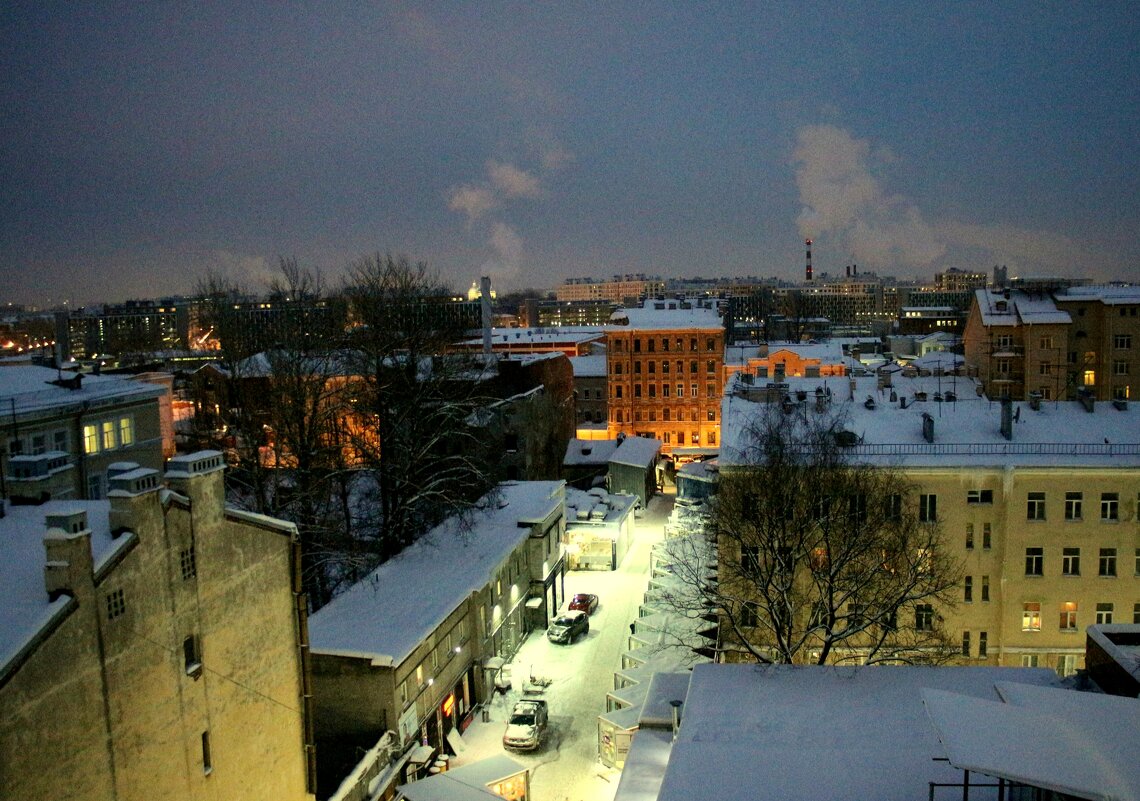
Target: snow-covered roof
463, 783
1083, 744
24, 605
966, 431
28, 389
589, 366
589, 451
1108, 295
636, 451
656, 315
788, 732
596, 508
567, 334
1019, 308
391, 611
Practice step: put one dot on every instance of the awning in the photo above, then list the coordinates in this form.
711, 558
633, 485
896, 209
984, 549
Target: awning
421, 754
494, 663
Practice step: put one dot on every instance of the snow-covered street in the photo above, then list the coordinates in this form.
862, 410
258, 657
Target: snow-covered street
566, 766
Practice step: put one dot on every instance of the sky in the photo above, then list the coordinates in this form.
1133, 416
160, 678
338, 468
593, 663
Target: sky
144, 144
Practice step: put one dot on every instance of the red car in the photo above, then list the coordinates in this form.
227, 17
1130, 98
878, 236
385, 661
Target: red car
585, 602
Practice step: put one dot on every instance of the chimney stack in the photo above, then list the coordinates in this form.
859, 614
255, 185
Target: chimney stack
1007, 418
807, 244
485, 305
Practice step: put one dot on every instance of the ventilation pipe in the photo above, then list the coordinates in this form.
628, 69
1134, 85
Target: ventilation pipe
485, 305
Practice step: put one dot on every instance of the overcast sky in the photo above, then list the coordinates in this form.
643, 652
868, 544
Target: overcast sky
144, 143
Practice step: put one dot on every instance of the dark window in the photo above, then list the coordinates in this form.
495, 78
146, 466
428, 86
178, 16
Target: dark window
985, 588
979, 496
1070, 561
749, 614
1109, 506
968, 589
965, 643
191, 659
928, 508
986, 536
969, 536
1034, 561
750, 559
1107, 562
1035, 508
982, 643
924, 617
1073, 502
893, 509
1104, 614
207, 763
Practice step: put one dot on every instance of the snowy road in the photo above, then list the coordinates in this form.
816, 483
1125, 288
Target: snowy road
566, 766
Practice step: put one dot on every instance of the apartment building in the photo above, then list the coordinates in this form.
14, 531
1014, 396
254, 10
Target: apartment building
628, 288
152, 645
61, 433
1039, 505
416, 645
665, 365
1055, 344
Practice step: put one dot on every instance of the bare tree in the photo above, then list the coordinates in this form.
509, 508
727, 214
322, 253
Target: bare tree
425, 459
821, 559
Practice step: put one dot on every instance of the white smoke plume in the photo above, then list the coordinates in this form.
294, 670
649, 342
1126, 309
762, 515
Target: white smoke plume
472, 201
844, 202
508, 248
512, 182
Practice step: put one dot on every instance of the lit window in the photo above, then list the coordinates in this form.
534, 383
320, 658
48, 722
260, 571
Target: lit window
90, 439
108, 429
1031, 616
1069, 616
126, 431
1089, 378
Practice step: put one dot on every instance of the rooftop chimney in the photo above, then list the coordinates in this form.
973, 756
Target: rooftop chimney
807, 244
1007, 418
927, 427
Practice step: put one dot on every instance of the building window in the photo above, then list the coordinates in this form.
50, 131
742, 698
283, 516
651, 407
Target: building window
191, 659
1122, 341
979, 496
982, 644
928, 508
617, 368
710, 344
665, 367
1070, 561
680, 390
749, 614
1107, 566
968, 589
666, 413
126, 431
969, 536
1073, 502
1005, 341
1046, 343
1031, 616
59, 441
1120, 368
637, 368
712, 438
893, 509
665, 344
965, 643
186, 563
207, 763
1069, 616
90, 439
637, 346
1067, 665
1035, 509
710, 367
1089, 378
652, 345
1109, 506
750, 559
710, 390
617, 392
637, 390
653, 390
116, 604
1034, 561
1136, 614
924, 617
108, 428
692, 390
693, 347
695, 438
1029, 660
985, 588
1103, 614
712, 415
986, 542
1136, 569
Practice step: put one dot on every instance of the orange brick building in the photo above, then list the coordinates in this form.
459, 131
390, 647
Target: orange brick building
665, 371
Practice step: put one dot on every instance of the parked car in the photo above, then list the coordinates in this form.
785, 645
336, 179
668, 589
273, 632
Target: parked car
568, 627
585, 602
526, 725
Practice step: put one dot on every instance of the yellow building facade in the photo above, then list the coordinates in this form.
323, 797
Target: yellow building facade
162, 655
